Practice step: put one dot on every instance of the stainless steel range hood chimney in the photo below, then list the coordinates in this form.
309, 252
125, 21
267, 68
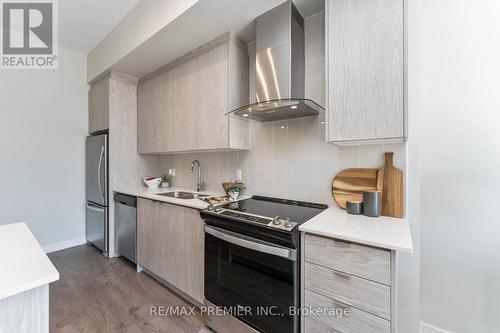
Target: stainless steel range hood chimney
279, 82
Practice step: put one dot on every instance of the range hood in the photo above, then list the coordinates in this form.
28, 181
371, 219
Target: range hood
279, 67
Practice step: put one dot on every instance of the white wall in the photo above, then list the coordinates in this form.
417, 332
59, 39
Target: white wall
408, 265
460, 162
43, 123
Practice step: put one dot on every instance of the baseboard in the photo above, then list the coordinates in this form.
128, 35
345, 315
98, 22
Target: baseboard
426, 328
64, 244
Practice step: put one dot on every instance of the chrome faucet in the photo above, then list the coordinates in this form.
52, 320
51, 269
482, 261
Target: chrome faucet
199, 184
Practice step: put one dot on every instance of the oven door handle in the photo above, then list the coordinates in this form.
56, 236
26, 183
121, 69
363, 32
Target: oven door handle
252, 243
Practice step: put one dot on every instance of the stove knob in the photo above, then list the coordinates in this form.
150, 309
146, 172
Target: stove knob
276, 220
210, 208
287, 223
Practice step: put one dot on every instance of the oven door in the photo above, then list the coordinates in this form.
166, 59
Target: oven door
255, 280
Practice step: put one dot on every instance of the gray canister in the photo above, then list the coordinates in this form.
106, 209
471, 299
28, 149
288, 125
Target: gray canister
354, 207
372, 203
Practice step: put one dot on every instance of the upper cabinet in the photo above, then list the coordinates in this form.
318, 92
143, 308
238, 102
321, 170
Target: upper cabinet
107, 96
99, 106
182, 107
365, 71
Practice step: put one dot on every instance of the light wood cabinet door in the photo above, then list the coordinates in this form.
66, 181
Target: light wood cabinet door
145, 141
170, 244
99, 106
213, 98
184, 106
356, 321
363, 261
365, 73
312, 326
165, 117
167, 111
153, 124
363, 294
239, 94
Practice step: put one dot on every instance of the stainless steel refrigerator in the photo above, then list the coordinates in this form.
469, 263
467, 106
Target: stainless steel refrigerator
97, 191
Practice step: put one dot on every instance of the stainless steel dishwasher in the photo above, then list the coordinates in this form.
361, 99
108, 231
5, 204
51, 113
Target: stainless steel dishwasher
126, 226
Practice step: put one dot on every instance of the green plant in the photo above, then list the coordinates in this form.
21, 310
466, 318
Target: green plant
166, 179
236, 187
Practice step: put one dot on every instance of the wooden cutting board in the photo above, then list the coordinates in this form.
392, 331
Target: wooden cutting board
392, 194
349, 184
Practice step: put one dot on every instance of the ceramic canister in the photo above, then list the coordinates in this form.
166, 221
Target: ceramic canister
372, 203
354, 207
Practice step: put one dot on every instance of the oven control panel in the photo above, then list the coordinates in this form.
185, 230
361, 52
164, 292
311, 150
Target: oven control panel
275, 223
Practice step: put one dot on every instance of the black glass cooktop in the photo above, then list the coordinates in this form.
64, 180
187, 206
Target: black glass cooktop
297, 211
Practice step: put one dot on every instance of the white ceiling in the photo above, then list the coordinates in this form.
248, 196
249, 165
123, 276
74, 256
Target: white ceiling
83, 24
199, 24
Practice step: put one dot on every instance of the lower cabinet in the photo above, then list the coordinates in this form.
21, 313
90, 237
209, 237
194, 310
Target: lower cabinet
312, 326
170, 245
347, 286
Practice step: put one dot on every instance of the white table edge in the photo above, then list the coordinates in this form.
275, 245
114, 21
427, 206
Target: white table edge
29, 286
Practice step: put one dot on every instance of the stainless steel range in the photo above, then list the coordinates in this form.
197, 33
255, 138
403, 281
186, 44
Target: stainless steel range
238, 211
252, 256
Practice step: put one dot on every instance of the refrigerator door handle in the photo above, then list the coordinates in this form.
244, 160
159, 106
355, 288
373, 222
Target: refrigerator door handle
95, 208
99, 173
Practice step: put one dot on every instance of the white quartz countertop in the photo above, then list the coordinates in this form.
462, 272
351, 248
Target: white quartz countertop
385, 232
25, 265
145, 192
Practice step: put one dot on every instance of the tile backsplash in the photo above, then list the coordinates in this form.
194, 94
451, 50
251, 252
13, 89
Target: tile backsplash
288, 159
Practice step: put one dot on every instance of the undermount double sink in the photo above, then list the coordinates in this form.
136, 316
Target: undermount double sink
184, 195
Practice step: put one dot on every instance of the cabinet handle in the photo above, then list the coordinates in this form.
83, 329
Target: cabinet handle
342, 244
342, 275
342, 305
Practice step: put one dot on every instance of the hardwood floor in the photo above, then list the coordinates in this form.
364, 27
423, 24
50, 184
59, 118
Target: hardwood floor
95, 294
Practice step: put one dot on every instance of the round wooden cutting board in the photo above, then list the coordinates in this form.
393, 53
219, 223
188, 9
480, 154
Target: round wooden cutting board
349, 184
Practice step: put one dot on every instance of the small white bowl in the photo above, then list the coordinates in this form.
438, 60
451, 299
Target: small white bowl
152, 183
